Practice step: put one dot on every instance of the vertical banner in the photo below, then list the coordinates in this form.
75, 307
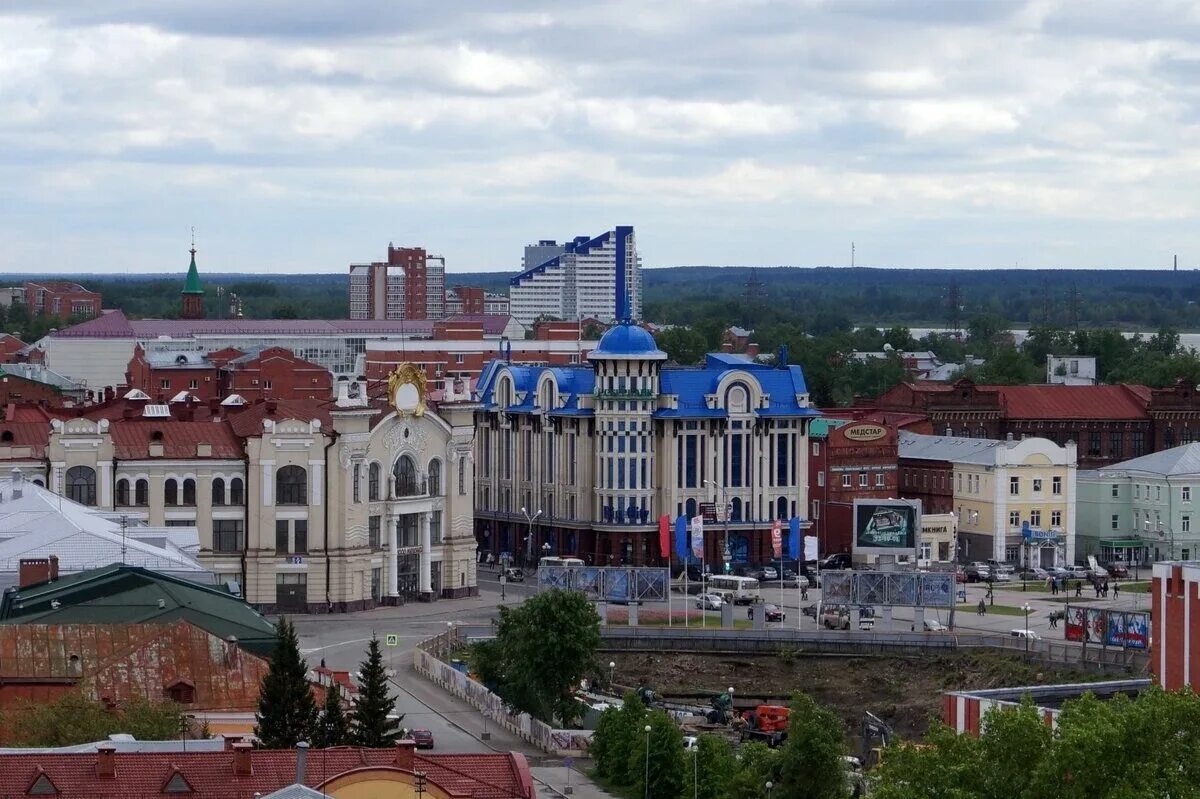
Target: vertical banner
1076, 623
777, 539
698, 536
664, 536
682, 550
794, 538
1094, 630
810, 548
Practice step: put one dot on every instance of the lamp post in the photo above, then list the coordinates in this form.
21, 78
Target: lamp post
1026, 607
530, 519
770, 785
725, 505
612, 674
647, 780
696, 770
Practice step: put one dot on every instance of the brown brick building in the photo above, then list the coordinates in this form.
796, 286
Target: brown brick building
61, 298
268, 373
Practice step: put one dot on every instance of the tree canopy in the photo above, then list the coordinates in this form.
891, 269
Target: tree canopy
287, 712
75, 719
372, 721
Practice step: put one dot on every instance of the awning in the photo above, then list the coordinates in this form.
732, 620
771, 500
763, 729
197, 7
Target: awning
1123, 543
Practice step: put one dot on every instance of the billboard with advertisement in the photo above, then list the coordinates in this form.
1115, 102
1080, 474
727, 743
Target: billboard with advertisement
886, 526
1137, 630
1076, 623
1129, 630
1093, 632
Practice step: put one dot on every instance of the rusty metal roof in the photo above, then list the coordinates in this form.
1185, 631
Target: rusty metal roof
126, 661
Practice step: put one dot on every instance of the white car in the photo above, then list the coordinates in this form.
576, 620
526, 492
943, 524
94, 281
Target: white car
935, 626
1020, 632
709, 602
770, 573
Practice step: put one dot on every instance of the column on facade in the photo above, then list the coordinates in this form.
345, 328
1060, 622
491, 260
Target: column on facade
393, 557
1000, 515
426, 585
105, 480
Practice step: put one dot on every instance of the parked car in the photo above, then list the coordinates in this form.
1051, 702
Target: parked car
810, 611
1002, 573
1098, 574
835, 617
838, 560
773, 613
1034, 573
513, 575
935, 626
1118, 569
960, 576
977, 572
422, 738
769, 573
1077, 572
1021, 632
709, 602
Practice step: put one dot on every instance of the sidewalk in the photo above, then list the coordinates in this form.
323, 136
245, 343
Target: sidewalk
552, 781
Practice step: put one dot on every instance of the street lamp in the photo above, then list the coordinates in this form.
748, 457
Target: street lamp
696, 771
770, 785
530, 519
647, 780
725, 504
612, 674
1026, 607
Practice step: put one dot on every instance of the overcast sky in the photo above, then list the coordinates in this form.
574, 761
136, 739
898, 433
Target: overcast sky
298, 135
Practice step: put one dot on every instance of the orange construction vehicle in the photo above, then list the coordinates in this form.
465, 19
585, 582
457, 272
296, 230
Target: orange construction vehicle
766, 723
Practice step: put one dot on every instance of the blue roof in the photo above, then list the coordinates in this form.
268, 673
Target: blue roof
627, 341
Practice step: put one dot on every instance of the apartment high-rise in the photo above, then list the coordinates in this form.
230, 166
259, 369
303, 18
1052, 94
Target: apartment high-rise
411, 284
578, 278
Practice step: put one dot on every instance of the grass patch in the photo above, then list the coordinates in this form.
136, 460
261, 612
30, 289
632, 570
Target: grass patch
997, 610
1142, 587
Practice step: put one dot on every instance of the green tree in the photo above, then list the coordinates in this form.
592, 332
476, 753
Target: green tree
285, 311
287, 713
332, 729
665, 765
945, 769
710, 769
371, 719
757, 764
75, 719
541, 651
682, 344
810, 763
615, 737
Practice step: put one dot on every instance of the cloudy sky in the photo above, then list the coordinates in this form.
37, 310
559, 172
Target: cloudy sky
298, 135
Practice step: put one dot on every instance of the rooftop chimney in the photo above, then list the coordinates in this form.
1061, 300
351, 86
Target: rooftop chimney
18, 480
106, 761
53, 568
301, 761
241, 759
406, 754
231, 741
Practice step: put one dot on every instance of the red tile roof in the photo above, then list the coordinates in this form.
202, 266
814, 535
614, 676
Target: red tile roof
132, 438
127, 661
211, 775
35, 435
1070, 402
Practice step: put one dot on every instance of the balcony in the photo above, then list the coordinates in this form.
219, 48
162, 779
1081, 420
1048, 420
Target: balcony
407, 488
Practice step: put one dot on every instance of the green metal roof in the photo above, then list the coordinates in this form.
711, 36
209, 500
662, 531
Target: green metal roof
192, 284
1121, 543
116, 593
820, 427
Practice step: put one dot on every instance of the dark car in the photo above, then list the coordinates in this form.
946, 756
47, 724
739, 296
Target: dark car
1118, 569
838, 560
422, 738
810, 611
773, 613
513, 575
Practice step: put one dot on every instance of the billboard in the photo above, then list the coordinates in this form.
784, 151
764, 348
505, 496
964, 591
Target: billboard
894, 589
1108, 627
886, 526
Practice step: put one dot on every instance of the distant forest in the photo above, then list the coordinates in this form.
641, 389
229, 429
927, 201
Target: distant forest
817, 299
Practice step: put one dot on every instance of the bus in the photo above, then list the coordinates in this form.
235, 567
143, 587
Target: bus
736, 590
567, 563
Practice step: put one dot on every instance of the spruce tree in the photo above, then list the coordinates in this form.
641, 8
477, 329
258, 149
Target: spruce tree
370, 722
287, 712
331, 729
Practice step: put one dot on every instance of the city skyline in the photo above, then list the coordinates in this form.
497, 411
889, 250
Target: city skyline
297, 137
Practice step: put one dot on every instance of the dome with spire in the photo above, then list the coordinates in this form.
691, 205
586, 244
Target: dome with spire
192, 284
627, 341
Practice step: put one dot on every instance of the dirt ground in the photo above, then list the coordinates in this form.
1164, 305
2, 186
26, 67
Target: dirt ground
905, 692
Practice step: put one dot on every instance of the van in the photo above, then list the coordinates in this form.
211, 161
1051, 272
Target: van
1020, 632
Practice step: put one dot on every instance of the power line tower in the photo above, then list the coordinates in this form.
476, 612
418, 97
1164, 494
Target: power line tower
754, 288
954, 307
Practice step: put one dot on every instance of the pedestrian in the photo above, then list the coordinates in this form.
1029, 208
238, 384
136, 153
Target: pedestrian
804, 591
982, 608
1096, 585
1116, 590
1078, 588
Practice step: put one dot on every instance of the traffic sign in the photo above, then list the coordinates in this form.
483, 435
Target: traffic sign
392, 639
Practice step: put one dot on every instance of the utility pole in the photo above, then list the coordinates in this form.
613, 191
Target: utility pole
851, 255
954, 308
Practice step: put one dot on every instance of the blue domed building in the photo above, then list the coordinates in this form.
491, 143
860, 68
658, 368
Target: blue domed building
586, 460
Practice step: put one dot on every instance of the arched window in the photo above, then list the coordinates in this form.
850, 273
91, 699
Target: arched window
236, 491
81, 485
735, 509
737, 399
373, 482
291, 486
689, 509
218, 491
435, 478
781, 508
189, 492
405, 474
141, 493
123, 492
171, 492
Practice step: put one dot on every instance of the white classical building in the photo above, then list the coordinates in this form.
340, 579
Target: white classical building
579, 279
308, 505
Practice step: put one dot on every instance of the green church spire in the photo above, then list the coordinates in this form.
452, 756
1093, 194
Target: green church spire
192, 284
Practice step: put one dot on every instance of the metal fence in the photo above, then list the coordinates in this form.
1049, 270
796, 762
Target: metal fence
895, 589
609, 583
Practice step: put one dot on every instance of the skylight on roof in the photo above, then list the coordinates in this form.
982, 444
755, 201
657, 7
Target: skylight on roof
137, 394
156, 412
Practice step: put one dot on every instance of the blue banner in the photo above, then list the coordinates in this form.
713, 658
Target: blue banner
682, 549
794, 550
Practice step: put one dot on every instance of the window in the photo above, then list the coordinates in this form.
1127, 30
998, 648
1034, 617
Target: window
1056, 486
81, 485
821, 479
1115, 445
816, 449
1116, 521
1186, 554
1185, 523
1035, 518
879, 480
281, 536
291, 486
926, 550
1157, 494
218, 491
1014, 518
1056, 518
460, 358
405, 475
164, 384
141, 493
435, 478
435, 528
189, 492
845, 481
1014, 486
193, 384
1115, 490
1094, 444
1186, 493
1137, 490
862, 479
227, 535
373, 482
300, 534
1037, 485
236, 493
462, 475
373, 532
1139, 443
123, 492
357, 482
171, 491
267, 385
